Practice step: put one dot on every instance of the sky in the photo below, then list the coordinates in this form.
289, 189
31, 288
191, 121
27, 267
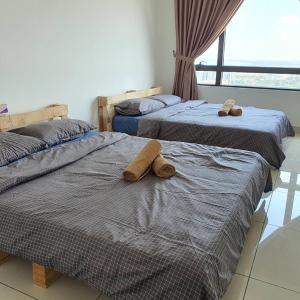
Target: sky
262, 31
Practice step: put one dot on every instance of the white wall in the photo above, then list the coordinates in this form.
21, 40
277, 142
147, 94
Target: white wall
287, 101
71, 51
166, 43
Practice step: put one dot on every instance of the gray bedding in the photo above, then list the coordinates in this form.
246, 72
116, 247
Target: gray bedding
56, 131
258, 130
68, 208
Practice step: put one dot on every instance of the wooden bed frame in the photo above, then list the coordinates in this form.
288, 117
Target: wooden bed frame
51, 112
41, 275
106, 109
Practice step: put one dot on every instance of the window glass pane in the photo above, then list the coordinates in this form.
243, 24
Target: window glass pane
284, 81
264, 33
206, 77
210, 56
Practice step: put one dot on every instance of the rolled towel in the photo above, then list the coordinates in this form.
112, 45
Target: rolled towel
163, 168
227, 106
141, 164
236, 111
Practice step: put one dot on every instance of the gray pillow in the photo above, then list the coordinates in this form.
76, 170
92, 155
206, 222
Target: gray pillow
140, 106
56, 131
168, 100
14, 146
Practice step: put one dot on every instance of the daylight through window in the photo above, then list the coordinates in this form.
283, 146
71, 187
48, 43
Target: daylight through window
260, 48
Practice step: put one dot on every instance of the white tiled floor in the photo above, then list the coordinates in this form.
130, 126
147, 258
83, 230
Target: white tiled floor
271, 257
269, 268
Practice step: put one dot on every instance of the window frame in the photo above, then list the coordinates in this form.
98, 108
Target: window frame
220, 68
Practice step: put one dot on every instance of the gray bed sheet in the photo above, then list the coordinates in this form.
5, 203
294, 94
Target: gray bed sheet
68, 208
258, 130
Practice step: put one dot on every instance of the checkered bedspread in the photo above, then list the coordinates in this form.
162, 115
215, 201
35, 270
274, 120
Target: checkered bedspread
68, 208
257, 130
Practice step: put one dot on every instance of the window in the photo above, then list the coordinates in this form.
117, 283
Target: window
260, 48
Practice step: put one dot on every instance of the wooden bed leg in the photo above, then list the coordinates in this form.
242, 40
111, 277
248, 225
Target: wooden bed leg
43, 277
3, 257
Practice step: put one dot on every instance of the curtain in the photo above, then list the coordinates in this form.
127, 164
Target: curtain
198, 24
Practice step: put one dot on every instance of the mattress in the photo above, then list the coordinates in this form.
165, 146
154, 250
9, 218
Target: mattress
69, 209
126, 124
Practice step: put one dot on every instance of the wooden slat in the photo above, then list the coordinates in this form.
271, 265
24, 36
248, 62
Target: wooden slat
51, 112
106, 109
43, 277
3, 257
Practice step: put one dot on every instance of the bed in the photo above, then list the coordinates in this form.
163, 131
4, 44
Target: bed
258, 130
68, 209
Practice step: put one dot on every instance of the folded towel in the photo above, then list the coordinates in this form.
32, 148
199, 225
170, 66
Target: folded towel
141, 165
163, 168
236, 111
227, 106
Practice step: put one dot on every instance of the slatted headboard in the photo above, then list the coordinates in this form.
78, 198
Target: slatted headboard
51, 112
106, 110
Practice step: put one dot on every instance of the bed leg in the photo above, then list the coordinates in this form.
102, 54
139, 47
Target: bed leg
43, 277
3, 257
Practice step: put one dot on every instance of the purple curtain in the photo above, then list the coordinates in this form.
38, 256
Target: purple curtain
198, 24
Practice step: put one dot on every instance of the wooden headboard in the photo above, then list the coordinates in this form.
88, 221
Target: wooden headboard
106, 110
51, 112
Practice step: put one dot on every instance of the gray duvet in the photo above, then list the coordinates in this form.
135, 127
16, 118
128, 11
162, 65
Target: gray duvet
68, 208
258, 130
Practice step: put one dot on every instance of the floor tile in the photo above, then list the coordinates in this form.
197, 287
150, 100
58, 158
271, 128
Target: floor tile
291, 147
290, 164
288, 179
262, 208
236, 289
7, 293
277, 259
17, 273
258, 290
284, 208
248, 253
274, 174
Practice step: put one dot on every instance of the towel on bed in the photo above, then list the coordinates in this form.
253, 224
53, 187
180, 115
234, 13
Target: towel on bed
163, 168
227, 106
236, 111
141, 164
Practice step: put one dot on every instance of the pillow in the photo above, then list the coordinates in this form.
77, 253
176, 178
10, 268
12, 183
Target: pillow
140, 106
168, 100
14, 146
57, 131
